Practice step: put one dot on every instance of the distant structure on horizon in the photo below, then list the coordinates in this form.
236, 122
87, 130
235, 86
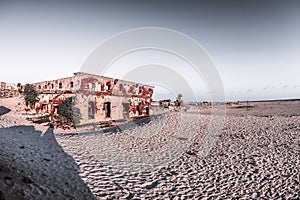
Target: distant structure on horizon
100, 99
8, 90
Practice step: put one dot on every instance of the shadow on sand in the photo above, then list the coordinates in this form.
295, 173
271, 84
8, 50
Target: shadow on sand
34, 166
4, 110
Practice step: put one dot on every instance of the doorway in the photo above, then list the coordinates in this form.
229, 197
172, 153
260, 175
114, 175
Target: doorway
125, 110
107, 106
139, 109
91, 110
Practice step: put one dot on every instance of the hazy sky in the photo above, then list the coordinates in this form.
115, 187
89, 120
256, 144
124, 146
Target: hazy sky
255, 45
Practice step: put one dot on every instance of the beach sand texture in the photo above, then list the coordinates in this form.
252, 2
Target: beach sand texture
256, 156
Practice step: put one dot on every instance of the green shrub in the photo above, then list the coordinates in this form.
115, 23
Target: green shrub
30, 94
68, 112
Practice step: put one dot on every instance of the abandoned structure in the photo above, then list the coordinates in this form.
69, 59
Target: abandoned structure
165, 103
100, 99
8, 90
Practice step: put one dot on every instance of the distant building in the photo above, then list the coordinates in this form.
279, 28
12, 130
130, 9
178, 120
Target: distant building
165, 103
8, 90
100, 99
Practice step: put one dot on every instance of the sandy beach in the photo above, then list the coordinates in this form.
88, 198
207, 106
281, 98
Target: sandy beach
255, 156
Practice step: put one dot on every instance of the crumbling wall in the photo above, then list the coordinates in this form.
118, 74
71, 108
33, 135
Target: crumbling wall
99, 99
8, 90
63, 85
126, 99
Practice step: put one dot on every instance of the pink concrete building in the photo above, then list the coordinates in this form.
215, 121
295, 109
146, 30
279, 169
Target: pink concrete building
100, 99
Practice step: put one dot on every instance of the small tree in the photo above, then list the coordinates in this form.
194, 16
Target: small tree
69, 112
179, 101
30, 94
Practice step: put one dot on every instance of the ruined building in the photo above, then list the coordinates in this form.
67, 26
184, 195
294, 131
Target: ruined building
100, 99
8, 90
